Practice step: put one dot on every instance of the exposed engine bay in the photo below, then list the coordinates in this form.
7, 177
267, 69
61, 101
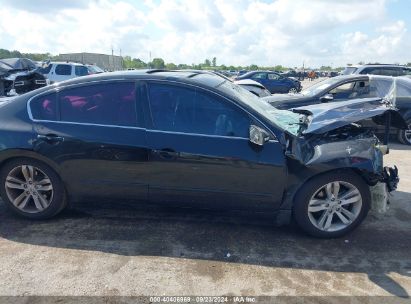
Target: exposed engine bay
19, 76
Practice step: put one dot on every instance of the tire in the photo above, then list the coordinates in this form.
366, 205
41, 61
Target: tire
293, 91
404, 136
35, 188
313, 194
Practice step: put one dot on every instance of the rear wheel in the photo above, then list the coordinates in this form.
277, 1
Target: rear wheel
31, 189
293, 91
332, 204
404, 136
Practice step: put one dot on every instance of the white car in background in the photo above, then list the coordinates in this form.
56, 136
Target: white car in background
60, 71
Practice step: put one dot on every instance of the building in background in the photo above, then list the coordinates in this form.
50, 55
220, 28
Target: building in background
106, 62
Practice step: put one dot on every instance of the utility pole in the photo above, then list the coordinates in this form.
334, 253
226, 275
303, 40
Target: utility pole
122, 62
112, 58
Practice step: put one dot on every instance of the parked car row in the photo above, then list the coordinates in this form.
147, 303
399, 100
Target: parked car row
21, 75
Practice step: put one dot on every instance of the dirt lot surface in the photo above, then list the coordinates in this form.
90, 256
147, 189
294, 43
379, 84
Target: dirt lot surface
118, 250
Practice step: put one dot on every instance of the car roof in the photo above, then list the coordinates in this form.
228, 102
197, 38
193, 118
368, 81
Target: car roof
194, 77
67, 62
376, 65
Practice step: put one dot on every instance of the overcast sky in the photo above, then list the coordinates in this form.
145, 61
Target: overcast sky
237, 32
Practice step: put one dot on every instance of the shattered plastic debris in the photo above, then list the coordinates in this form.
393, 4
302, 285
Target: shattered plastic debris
379, 198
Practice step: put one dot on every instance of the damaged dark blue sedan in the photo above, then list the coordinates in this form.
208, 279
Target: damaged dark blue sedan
189, 139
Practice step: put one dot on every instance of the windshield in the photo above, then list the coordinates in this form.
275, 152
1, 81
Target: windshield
284, 119
349, 70
95, 69
319, 87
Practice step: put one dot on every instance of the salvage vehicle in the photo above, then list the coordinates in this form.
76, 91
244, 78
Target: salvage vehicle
190, 139
348, 87
378, 69
19, 76
274, 82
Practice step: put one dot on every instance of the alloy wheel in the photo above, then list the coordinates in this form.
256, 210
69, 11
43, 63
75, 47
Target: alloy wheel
293, 91
335, 206
29, 189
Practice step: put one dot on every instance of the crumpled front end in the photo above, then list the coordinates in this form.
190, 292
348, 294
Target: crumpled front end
348, 147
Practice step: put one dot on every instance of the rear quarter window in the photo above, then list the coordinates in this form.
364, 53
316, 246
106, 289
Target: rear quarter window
80, 70
63, 69
44, 107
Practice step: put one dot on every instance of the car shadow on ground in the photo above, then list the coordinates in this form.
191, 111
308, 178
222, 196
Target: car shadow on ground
376, 248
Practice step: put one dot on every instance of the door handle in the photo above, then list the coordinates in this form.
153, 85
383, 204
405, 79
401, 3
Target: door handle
50, 138
166, 153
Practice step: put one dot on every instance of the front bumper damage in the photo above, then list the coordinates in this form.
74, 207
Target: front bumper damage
390, 178
352, 148
380, 193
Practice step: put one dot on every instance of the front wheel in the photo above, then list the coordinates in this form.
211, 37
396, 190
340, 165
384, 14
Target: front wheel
332, 204
31, 189
293, 91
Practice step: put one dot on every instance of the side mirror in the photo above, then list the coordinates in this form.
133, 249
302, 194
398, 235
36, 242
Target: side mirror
258, 136
327, 98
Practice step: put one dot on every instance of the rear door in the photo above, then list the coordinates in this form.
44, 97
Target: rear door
95, 135
201, 155
261, 77
277, 83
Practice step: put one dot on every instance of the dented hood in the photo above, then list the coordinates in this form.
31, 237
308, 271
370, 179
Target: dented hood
325, 117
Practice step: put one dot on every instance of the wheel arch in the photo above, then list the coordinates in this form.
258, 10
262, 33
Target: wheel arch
11, 154
290, 195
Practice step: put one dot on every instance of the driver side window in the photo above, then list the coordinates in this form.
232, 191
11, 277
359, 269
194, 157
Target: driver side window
188, 110
343, 91
259, 76
273, 76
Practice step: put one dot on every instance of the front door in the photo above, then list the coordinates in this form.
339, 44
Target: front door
201, 154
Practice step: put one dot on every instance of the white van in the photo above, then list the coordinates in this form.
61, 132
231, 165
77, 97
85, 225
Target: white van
59, 71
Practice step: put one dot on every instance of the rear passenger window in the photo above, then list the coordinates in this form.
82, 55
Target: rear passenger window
44, 107
63, 69
107, 104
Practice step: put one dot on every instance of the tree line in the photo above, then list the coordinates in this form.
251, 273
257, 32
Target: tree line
159, 63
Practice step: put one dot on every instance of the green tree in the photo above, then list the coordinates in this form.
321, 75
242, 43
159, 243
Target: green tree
253, 67
325, 68
214, 61
207, 63
171, 66
183, 66
279, 68
409, 64
157, 63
